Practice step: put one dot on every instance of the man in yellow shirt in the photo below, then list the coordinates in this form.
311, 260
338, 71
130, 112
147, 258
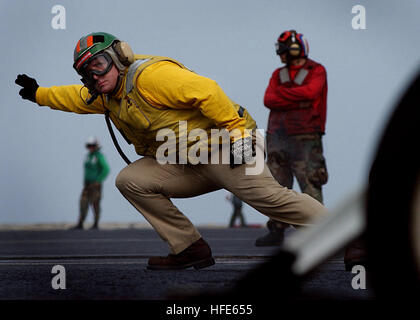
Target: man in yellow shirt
161, 107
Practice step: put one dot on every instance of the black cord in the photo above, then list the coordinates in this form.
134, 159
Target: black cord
91, 99
111, 132
108, 123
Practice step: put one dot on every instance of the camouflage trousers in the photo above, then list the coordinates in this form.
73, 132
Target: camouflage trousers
91, 194
301, 157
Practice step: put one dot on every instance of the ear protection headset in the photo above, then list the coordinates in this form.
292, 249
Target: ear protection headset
124, 53
122, 56
297, 46
294, 47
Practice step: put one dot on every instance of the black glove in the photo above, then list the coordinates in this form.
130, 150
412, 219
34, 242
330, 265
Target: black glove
29, 87
241, 151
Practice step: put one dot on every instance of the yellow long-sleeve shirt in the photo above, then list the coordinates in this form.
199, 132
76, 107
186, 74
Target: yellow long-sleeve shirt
163, 84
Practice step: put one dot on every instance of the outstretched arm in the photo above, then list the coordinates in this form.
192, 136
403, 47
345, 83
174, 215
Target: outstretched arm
66, 98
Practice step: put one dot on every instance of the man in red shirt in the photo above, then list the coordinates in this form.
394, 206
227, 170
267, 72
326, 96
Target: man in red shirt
297, 98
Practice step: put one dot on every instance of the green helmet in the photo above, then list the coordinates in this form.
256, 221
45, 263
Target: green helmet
107, 49
90, 45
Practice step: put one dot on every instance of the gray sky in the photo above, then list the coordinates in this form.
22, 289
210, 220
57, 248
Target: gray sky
231, 42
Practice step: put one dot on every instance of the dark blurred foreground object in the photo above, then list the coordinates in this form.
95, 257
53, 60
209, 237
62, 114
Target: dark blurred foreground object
386, 215
393, 204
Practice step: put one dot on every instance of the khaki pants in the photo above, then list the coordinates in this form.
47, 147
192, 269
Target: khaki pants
149, 186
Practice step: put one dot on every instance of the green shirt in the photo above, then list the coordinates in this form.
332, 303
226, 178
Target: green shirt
96, 167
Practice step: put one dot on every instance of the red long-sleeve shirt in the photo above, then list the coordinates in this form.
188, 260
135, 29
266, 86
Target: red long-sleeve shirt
298, 109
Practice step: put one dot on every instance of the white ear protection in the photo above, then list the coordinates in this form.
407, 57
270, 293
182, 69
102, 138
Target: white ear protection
124, 52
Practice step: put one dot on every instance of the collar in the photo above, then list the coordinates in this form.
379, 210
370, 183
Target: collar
292, 67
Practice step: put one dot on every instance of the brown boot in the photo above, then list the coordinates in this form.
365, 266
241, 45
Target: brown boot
197, 255
275, 236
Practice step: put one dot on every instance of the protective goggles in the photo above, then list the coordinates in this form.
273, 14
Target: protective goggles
281, 48
99, 65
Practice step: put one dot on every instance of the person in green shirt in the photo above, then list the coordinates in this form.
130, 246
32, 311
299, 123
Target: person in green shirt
96, 170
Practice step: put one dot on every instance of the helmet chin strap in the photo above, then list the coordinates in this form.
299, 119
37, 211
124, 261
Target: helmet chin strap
92, 98
93, 93
118, 84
